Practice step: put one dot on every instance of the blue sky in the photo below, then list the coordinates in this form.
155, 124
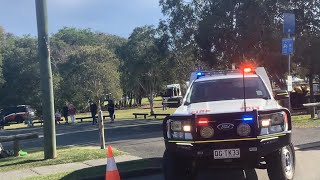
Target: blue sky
117, 17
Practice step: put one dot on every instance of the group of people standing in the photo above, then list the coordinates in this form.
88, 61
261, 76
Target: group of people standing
67, 110
94, 111
70, 110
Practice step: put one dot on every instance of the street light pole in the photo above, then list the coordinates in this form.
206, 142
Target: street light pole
46, 81
289, 74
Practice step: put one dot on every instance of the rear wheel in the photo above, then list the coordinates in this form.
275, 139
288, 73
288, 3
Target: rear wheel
177, 168
281, 164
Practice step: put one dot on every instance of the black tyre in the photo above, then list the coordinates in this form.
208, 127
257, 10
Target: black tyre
251, 174
19, 119
177, 168
281, 164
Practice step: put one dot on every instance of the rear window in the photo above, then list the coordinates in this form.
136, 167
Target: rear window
21, 109
11, 110
227, 89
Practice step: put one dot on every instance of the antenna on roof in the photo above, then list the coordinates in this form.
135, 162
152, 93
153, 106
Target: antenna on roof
244, 92
245, 70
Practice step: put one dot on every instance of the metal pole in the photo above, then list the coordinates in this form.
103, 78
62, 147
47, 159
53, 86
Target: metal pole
289, 74
244, 93
46, 81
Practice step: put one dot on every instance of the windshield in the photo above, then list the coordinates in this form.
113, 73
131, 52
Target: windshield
227, 89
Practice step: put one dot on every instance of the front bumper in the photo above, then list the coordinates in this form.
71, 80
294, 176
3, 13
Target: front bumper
252, 151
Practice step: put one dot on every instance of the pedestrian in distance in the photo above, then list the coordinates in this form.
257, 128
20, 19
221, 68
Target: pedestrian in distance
72, 113
111, 110
58, 117
164, 104
93, 110
65, 112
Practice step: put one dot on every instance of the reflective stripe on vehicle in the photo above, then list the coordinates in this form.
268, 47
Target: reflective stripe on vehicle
232, 140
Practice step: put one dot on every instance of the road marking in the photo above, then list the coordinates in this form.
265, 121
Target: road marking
106, 128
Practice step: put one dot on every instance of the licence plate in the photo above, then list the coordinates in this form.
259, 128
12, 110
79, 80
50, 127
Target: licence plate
226, 153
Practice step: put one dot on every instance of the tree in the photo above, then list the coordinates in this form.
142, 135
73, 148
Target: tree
222, 32
21, 72
94, 72
145, 63
2, 41
63, 44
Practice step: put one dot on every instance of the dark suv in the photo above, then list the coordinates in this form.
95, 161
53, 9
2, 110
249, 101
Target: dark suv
17, 114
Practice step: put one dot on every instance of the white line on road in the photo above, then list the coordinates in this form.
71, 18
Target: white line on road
106, 128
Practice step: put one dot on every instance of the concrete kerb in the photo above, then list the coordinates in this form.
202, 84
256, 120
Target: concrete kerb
133, 174
60, 168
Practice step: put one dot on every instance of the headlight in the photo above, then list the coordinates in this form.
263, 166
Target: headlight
181, 126
265, 123
273, 123
179, 129
176, 126
277, 118
187, 128
244, 129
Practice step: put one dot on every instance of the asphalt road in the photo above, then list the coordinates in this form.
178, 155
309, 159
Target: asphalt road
141, 138
306, 169
144, 139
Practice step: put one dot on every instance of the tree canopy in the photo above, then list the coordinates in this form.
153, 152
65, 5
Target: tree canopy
195, 34
222, 32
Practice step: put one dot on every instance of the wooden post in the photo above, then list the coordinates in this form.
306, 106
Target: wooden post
101, 127
16, 147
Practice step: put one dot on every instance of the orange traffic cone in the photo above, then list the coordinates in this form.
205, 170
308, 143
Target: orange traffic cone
112, 172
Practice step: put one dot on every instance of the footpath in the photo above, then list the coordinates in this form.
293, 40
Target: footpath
60, 168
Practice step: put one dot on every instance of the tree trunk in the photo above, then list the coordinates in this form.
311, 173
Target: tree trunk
311, 93
151, 103
101, 126
130, 100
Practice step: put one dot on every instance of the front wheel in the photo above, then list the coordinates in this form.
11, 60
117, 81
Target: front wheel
177, 168
281, 164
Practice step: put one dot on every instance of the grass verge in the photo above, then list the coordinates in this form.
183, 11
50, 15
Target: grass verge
305, 121
98, 172
125, 114
35, 158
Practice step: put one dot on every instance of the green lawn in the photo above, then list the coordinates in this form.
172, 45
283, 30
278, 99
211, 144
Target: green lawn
157, 101
35, 158
302, 121
125, 114
305, 121
99, 171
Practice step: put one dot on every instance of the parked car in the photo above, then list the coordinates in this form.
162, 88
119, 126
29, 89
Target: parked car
17, 114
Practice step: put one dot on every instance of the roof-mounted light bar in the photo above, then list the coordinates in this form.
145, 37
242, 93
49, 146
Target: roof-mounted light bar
223, 72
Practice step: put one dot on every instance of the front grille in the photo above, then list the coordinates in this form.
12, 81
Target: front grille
221, 122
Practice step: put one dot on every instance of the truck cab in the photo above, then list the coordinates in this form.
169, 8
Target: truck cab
229, 119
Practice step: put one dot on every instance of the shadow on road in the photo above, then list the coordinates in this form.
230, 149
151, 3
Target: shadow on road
19, 163
227, 174
309, 146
